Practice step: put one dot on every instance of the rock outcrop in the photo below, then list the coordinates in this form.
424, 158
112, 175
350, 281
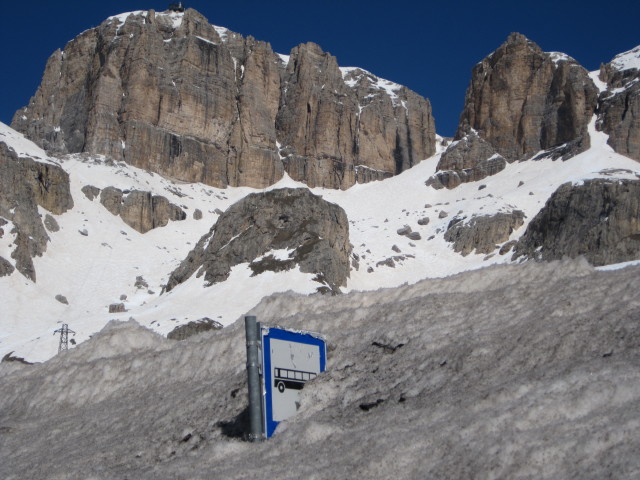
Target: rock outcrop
599, 219
482, 233
467, 160
6, 268
619, 105
523, 100
25, 184
142, 211
314, 232
520, 101
182, 332
170, 93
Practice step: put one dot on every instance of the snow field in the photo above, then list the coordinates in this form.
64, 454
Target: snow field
510, 371
94, 271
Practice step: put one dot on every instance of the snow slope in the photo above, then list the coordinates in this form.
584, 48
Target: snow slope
519, 371
96, 270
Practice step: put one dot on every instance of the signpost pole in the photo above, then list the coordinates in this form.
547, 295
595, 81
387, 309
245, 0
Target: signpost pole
253, 374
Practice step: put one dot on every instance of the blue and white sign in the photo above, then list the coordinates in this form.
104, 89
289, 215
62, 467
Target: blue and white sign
289, 360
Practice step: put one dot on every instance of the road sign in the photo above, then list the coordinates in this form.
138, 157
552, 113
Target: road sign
289, 359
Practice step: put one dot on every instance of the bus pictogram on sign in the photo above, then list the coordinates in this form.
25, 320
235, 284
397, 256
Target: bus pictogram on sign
287, 378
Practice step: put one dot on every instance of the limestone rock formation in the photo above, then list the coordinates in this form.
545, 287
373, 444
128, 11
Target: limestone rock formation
520, 101
467, 160
482, 233
333, 120
599, 219
523, 100
619, 105
142, 211
175, 95
314, 231
25, 184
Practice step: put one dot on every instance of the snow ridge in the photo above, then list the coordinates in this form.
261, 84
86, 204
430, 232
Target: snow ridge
627, 60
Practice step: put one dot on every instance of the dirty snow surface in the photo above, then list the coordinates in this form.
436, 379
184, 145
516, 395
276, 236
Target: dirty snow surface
513, 371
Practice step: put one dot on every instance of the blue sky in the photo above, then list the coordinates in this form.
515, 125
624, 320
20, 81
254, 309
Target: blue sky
430, 47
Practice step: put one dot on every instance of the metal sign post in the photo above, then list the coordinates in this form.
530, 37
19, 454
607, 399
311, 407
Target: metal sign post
253, 373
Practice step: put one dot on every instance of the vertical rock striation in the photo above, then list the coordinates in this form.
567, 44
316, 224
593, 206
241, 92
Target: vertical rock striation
619, 105
523, 100
25, 184
520, 101
173, 94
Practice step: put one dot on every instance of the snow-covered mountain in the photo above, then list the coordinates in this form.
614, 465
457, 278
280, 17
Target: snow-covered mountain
96, 270
399, 227
452, 352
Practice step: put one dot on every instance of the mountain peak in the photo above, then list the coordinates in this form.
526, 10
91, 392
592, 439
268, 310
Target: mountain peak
171, 93
627, 60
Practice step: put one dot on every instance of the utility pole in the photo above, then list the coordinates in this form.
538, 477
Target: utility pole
64, 337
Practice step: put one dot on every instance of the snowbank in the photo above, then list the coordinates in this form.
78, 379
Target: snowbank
506, 372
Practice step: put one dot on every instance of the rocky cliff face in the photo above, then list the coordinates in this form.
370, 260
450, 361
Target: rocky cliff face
523, 100
520, 100
25, 184
313, 231
599, 219
619, 105
171, 93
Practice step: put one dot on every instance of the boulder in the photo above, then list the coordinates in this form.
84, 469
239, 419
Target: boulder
141, 282
599, 219
117, 308
315, 232
482, 233
142, 211
62, 299
90, 192
51, 223
405, 230
467, 160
